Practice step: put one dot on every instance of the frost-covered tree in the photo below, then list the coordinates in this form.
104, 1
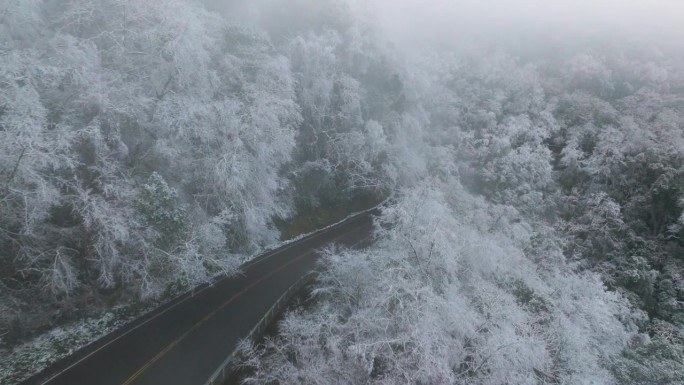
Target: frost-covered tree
536, 235
569, 255
349, 103
446, 295
142, 146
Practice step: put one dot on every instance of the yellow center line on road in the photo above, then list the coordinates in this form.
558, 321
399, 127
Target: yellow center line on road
257, 261
237, 295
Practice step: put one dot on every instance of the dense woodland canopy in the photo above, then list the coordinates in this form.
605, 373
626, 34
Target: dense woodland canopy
535, 233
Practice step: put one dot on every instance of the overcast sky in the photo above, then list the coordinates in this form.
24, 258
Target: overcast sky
421, 21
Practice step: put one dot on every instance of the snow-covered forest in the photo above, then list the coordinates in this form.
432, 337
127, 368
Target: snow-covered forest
534, 232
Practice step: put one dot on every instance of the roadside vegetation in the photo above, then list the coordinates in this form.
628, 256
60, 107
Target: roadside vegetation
536, 230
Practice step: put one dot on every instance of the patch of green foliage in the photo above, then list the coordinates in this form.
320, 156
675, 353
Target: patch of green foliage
310, 218
159, 207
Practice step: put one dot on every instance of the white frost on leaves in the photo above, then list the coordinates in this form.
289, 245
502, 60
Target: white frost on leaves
444, 296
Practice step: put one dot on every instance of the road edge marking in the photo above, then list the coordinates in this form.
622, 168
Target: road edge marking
210, 315
246, 265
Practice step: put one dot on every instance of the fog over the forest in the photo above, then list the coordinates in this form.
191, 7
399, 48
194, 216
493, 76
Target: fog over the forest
529, 156
430, 24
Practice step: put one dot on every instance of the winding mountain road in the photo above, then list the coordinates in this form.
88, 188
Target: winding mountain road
185, 341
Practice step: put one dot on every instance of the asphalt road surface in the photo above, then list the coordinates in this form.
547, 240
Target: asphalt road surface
184, 341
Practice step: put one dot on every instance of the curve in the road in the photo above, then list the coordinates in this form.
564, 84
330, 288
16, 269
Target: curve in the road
186, 340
